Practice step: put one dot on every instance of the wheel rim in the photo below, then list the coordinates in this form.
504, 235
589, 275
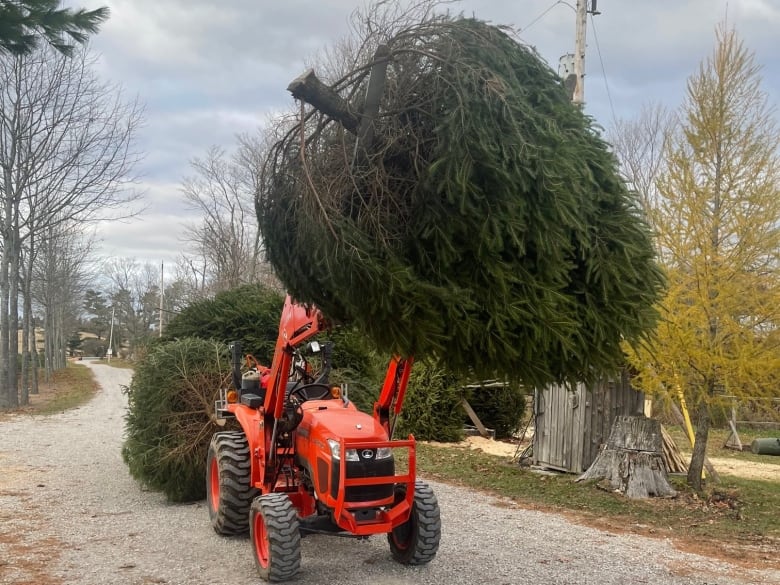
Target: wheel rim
214, 485
260, 536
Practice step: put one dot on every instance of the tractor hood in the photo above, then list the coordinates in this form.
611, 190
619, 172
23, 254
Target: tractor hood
332, 419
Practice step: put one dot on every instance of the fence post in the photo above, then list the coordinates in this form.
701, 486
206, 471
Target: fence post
733, 441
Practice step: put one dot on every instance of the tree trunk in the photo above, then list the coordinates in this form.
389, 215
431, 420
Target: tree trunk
48, 340
699, 449
13, 306
681, 421
25, 388
765, 446
11, 395
59, 339
631, 461
29, 349
308, 88
376, 86
35, 360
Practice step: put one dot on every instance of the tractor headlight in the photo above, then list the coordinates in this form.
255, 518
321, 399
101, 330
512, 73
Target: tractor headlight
384, 453
335, 451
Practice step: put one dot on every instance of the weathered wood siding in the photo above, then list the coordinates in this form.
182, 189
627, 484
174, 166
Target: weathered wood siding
571, 425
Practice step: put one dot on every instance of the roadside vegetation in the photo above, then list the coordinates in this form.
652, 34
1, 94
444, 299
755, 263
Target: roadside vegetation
737, 519
67, 388
119, 363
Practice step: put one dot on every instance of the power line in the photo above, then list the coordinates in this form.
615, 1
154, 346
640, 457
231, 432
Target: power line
543, 14
603, 70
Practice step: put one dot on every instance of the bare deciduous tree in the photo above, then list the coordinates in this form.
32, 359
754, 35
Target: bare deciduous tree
226, 238
66, 153
134, 291
59, 281
640, 145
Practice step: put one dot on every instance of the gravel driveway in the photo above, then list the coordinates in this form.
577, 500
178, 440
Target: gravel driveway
70, 513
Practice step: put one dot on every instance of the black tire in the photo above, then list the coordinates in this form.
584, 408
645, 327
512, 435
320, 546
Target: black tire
416, 541
228, 491
276, 539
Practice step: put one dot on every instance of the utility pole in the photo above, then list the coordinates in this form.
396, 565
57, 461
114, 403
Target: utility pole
571, 67
579, 53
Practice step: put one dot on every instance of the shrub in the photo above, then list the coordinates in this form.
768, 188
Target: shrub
249, 314
93, 346
432, 408
501, 408
170, 418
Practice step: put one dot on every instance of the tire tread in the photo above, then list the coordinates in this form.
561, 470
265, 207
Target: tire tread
231, 450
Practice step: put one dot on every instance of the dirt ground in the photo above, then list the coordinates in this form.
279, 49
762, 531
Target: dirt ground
57, 528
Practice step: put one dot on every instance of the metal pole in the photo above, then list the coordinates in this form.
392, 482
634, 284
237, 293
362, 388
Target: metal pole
162, 293
579, 53
111, 335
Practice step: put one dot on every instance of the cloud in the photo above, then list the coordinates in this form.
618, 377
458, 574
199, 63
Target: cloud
208, 70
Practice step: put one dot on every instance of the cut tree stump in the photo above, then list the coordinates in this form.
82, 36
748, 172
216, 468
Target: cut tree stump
631, 461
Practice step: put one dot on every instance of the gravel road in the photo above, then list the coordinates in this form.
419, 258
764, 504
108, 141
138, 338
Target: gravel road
70, 513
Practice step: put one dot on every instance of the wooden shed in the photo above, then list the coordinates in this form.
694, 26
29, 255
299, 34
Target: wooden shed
571, 425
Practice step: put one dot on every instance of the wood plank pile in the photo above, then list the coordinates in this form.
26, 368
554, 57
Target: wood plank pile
673, 460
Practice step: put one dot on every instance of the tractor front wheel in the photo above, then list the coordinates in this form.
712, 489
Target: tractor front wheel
276, 538
228, 490
416, 541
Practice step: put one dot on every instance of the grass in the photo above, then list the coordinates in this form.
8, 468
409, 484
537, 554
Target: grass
736, 511
119, 363
718, 438
69, 387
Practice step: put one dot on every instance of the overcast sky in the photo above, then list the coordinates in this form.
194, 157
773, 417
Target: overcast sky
210, 69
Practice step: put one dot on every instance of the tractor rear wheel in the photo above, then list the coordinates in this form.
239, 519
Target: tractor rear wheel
416, 541
228, 489
275, 535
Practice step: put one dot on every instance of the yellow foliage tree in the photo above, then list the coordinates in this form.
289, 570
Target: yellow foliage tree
718, 228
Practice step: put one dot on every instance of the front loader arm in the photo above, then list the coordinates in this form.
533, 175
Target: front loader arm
298, 323
393, 390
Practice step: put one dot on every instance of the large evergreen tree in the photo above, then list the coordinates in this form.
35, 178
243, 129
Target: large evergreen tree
479, 219
718, 223
23, 23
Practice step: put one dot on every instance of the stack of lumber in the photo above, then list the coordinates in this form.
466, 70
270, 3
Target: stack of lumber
673, 460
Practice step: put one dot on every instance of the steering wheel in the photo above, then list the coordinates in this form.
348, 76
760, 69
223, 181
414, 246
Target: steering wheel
315, 391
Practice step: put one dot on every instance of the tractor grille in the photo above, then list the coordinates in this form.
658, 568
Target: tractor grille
366, 467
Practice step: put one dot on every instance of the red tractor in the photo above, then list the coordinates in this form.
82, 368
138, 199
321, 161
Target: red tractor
306, 460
